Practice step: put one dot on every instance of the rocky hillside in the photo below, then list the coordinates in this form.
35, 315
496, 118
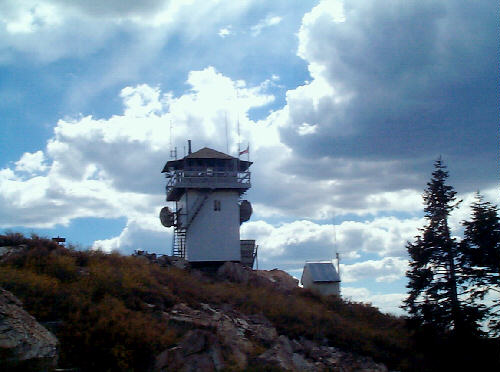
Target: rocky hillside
115, 313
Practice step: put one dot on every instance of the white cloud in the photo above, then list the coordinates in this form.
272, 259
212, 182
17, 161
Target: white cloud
31, 162
371, 113
111, 167
141, 100
295, 242
225, 31
326, 11
269, 21
388, 269
306, 128
54, 29
31, 18
385, 236
387, 302
142, 232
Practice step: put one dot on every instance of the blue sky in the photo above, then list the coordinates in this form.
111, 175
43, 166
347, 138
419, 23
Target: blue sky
346, 106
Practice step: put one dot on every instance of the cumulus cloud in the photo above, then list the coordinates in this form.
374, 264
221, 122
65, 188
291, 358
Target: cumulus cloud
111, 167
142, 232
388, 269
387, 302
31, 162
291, 244
401, 84
306, 129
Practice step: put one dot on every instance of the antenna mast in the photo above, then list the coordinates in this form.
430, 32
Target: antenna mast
337, 254
238, 122
173, 151
239, 144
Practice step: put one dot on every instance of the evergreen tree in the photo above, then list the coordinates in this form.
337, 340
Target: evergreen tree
435, 274
481, 256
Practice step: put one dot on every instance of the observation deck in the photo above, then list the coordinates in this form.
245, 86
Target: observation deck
179, 180
206, 169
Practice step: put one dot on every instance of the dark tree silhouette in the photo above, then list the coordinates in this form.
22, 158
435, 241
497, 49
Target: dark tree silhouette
435, 276
481, 257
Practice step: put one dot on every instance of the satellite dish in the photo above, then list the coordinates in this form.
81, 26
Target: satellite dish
166, 217
245, 211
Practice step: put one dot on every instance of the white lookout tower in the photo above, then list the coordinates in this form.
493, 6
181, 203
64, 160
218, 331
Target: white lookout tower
206, 187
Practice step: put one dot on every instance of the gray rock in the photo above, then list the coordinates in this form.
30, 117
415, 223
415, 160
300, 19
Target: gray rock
279, 279
297, 346
24, 343
234, 272
275, 278
301, 364
199, 350
278, 356
285, 343
226, 338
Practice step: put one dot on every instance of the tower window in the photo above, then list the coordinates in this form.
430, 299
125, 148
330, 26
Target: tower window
216, 205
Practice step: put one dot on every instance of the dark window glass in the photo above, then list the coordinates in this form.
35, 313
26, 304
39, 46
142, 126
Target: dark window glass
216, 205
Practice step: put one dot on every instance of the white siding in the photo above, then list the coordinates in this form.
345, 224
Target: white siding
214, 235
326, 288
323, 288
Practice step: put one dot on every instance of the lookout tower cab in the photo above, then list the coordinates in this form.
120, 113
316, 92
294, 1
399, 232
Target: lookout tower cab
207, 187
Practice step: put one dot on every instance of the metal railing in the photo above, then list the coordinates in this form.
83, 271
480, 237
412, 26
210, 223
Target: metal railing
198, 178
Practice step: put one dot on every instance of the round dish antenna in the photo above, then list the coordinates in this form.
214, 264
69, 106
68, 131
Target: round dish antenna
245, 211
166, 217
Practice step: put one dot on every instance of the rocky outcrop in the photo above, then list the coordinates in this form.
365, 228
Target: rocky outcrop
226, 339
199, 350
279, 279
24, 343
275, 278
162, 260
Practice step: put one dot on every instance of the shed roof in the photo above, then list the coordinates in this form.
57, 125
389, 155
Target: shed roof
322, 271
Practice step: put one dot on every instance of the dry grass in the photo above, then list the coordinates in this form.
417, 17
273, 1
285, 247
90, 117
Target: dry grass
111, 305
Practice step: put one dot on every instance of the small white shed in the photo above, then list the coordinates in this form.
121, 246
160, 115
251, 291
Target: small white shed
321, 277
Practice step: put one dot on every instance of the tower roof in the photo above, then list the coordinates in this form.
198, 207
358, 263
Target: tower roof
206, 154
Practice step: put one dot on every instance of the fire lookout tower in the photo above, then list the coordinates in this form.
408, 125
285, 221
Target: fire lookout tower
206, 187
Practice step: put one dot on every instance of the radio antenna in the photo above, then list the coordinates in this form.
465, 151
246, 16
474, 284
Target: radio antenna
173, 152
337, 254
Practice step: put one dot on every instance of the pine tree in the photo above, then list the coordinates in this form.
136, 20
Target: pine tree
435, 275
481, 256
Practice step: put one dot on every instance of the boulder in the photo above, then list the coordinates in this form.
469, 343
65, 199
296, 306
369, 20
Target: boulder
24, 343
199, 350
279, 279
234, 272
